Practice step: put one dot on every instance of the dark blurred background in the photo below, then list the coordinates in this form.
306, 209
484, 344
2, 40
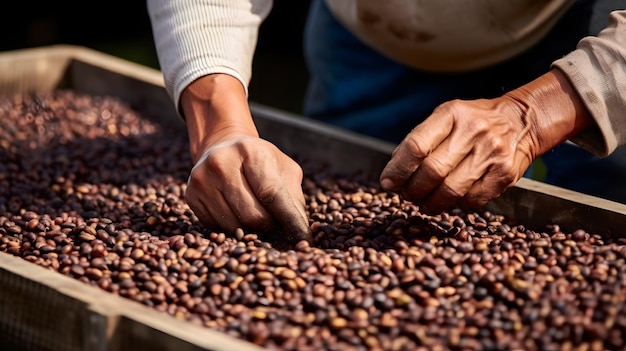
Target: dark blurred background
122, 28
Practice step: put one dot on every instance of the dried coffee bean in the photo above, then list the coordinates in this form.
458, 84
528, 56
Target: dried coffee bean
379, 274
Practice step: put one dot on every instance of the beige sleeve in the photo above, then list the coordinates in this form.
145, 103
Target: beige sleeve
597, 70
194, 38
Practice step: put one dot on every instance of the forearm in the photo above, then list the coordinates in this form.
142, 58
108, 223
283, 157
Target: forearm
215, 106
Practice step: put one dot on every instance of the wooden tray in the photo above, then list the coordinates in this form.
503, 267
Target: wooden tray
43, 310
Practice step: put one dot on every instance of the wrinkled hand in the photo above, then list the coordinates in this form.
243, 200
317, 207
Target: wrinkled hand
239, 180
247, 182
466, 151
469, 152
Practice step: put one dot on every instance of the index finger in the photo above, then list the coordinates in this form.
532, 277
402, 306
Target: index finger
410, 153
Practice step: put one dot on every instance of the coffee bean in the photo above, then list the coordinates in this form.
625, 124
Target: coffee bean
93, 189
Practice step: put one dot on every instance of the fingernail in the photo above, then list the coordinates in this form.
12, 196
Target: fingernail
386, 183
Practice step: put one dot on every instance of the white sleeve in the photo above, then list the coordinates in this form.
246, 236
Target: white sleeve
194, 38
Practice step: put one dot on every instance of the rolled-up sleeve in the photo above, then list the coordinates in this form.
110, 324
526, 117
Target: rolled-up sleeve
194, 38
597, 70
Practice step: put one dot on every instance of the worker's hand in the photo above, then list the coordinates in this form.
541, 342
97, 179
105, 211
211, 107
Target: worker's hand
469, 152
239, 180
247, 182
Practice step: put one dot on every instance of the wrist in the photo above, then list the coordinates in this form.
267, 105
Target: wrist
214, 107
551, 110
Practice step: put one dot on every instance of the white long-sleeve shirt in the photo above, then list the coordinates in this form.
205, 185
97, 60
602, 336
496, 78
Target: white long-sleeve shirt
194, 38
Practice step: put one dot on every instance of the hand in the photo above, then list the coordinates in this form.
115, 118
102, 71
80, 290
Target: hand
469, 152
246, 182
239, 180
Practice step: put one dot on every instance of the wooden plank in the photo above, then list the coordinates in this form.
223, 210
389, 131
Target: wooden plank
343, 150
44, 310
35, 315
534, 203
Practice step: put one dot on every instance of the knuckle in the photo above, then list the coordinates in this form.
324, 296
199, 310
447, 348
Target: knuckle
295, 171
481, 126
193, 182
448, 107
266, 193
497, 145
214, 162
450, 192
414, 148
434, 168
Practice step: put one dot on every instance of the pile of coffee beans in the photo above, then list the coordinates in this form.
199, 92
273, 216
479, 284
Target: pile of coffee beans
93, 189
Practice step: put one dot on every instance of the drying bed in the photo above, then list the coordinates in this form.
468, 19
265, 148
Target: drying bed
95, 234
